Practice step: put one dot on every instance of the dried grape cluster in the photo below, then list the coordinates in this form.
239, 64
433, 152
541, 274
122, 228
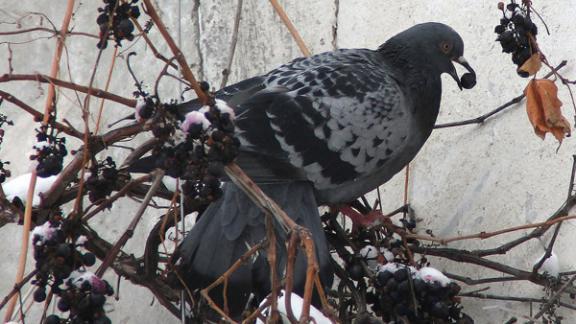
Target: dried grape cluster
421, 296
515, 32
146, 106
4, 173
198, 149
102, 179
50, 152
114, 19
384, 276
61, 263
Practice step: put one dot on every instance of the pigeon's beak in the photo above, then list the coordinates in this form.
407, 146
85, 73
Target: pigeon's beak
468, 80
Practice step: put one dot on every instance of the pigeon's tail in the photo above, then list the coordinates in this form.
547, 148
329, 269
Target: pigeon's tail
232, 225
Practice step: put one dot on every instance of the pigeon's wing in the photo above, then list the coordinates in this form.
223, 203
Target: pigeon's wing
332, 118
239, 92
232, 94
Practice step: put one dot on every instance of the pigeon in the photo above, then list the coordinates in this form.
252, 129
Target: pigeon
324, 129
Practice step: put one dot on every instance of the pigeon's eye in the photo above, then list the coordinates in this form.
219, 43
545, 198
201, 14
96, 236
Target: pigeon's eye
446, 47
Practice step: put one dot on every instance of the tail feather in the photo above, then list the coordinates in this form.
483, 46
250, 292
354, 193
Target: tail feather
231, 225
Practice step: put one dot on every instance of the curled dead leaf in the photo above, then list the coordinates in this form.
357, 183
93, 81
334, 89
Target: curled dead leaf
531, 66
543, 108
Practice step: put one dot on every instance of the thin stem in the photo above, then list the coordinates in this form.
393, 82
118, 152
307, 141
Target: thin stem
38, 115
484, 235
53, 81
44, 29
406, 183
482, 118
549, 249
186, 72
224, 277
47, 112
512, 298
17, 288
101, 108
159, 174
233, 42
291, 28
144, 35
554, 298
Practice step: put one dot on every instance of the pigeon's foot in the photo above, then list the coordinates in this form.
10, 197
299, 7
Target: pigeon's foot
404, 209
372, 218
369, 219
409, 219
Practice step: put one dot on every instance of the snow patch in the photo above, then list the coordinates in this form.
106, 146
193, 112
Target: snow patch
78, 277
195, 118
43, 233
18, 187
551, 265
297, 302
431, 275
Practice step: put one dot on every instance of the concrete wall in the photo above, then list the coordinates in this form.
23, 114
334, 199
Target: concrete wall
468, 179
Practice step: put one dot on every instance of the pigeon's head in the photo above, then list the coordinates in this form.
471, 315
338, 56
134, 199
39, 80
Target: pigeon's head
436, 46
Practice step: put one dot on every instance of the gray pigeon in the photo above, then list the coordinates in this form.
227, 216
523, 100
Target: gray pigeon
320, 130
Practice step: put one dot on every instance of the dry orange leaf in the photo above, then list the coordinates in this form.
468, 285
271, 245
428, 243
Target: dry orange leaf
543, 107
532, 65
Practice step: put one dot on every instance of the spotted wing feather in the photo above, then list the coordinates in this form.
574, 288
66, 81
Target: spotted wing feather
335, 117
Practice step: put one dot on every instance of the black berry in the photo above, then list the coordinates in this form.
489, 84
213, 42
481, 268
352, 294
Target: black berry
468, 80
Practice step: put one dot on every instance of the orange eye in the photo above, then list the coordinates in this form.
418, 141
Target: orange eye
446, 47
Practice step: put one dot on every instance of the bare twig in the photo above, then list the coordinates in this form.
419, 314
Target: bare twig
311, 272
224, 277
289, 283
108, 80
185, 68
234, 40
472, 282
10, 56
261, 200
163, 73
485, 235
69, 85
17, 288
44, 29
572, 175
549, 249
129, 268
539, 231
151, 45
469, 257
24, 248
130, 230
272, 261
291, 28
555, 297
258, 312
482, 118
564, 81
531, 7
38, 115
71, 170
512, 298
47, 111
121, 193
139, 151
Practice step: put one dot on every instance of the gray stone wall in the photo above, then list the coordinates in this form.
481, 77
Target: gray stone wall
465, 180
